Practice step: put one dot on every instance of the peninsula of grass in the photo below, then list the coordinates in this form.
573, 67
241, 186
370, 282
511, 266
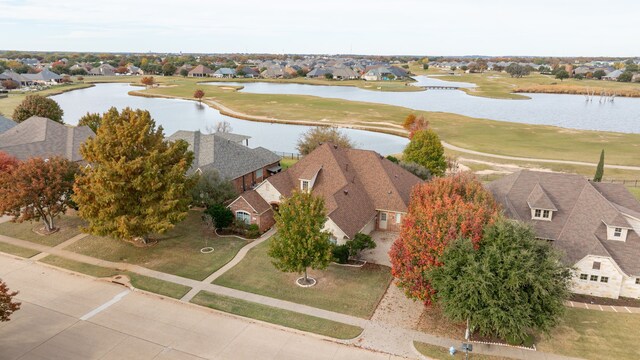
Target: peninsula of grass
177, 252
347, 290
141, 282
442, 353
277, 316
17, 250
69, 226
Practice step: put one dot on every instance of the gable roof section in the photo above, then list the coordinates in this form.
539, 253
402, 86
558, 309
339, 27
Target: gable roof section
6, 124
42, 137
353, 183
579, 227
229, 158
538, 199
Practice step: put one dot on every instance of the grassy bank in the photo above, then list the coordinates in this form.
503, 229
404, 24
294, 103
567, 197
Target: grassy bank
277, 316
7, 105
141, 282
17, 250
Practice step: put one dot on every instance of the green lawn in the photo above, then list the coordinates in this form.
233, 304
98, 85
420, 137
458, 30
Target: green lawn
635, 191
141, 282
177, 252
7, 105
594, 334
277, 316
287, 163
353, 291
441, 353
69, 227
17, 250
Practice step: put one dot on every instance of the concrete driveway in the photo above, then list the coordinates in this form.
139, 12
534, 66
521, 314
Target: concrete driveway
69, 316
380, 255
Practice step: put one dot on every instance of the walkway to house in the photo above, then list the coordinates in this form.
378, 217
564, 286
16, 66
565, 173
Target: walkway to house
379, 333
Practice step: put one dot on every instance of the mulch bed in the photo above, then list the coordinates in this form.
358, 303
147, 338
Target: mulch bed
628, 302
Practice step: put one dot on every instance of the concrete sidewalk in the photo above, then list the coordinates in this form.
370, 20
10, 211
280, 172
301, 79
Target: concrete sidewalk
378, 336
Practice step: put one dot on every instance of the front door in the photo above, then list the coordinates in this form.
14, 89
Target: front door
382, 224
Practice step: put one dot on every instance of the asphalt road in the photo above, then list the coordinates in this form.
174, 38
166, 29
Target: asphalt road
69, 316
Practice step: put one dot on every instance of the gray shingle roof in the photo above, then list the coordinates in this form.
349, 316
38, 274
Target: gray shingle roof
584, 209
42, 137
229, 158
238, 138
6, 124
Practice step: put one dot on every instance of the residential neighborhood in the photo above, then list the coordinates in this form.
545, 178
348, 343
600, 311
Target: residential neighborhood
339, 181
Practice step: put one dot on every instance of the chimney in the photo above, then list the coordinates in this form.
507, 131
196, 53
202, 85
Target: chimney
346, 192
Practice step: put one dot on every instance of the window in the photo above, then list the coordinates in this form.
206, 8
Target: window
617, 232
243, 216
538, 213
596, 265
583, 276
398, 218
304, 185
259, 173
604, 279
383, 216
546, 213
594, 278
333, 240
637, 281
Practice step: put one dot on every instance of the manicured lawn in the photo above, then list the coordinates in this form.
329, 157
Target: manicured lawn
17, 250
342, 289
441, 353
277, 316
7, 105
635, 191
69, 227
287, 163
138, 281
593, 334
177, 252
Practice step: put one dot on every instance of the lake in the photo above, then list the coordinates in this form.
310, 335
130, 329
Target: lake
568, 111
175, 114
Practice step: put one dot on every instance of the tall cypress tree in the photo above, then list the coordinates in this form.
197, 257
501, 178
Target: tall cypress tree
600, 168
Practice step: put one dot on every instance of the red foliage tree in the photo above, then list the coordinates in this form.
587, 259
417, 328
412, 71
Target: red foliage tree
148, 80
439, 212
7, 162
199, 94
415, 123
7, 305
40, 190
9, 84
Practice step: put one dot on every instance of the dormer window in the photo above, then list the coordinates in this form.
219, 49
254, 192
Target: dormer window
541, 214
617, 232
304, 185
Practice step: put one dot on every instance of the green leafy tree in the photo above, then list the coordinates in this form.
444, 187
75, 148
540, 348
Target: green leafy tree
426, 149
36, 105
184, 72
598, 74
359, 243
417, 170
136, 184
40, 190
92, 120
562, 74
600, 168
626, 76
168, 69
212, 189
512, 285
301, 243
315, 136
222, 217
7, 305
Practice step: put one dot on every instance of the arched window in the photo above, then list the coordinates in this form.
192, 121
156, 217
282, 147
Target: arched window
243, 216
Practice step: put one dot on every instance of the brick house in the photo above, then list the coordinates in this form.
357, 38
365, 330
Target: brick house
228, 154
595, 225
363, 191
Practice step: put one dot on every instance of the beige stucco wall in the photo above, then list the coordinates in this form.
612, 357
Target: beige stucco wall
331, 227
268, 192
608, 268
371, 225
629, 288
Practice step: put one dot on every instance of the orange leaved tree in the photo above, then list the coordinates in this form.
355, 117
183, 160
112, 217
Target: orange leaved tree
148, 81
199, 94
440, 212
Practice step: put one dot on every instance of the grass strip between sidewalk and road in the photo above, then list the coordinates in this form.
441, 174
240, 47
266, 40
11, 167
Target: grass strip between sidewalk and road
277, 316
141, 282
442, 353
17, 250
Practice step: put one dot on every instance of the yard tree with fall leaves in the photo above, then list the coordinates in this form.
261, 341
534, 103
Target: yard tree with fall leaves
38, 189
7, 162
426, 149
440, 212
137, 183
301, 242
148, 81
7, 305
36, 105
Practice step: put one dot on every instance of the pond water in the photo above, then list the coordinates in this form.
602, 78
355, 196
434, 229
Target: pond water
174, 115
568, 111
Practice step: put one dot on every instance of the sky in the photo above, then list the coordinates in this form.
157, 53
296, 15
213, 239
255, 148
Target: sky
375, 27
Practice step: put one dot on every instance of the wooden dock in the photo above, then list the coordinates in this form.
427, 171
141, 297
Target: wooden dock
441, 87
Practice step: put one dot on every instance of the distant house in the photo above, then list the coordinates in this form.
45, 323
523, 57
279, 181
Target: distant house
134, 70
273, 72
225, 152
612, 76
318, 73
224, 73
200, 71
595, 225
384, 73
42, 137
248, 72
6, 124
103, 70
186, 67
18, 78
344, 73
362, 190
44, 77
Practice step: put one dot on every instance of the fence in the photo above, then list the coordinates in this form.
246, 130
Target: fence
625, 182
288, 155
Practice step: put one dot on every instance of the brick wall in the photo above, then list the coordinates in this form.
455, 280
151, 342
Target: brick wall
392, 224
246, 182
264, 221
